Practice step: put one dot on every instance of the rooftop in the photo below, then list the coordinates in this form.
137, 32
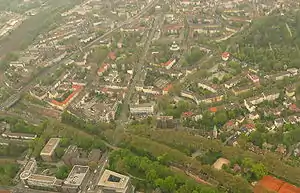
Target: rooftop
112, 179
77, 175
50, 146
42, 178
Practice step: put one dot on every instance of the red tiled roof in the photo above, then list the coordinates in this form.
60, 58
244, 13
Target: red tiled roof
230, 123
188, 113
225, 54
293, 107
103, 67
112, 55
168, 87
272, 184
76, 90
213, 109
168, 62
173, 27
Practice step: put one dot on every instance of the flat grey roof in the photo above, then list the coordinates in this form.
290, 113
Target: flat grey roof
112, 179
77, 175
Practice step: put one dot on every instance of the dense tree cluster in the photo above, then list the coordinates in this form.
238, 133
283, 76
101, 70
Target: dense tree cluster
271, 42
185, 142
20, 126
172, 153
12, 150
94, 128
195, 55
62, 172
68, 136
7, 173
151, 174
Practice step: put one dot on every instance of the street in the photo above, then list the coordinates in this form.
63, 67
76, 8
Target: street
123, 118
27, 86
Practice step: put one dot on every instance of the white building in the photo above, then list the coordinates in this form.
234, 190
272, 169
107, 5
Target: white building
112, 182
146, 108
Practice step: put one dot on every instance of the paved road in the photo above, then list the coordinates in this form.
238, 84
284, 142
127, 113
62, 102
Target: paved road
14, 98
123, 118
95, 175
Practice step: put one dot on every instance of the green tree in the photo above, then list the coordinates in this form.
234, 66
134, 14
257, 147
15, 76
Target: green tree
259, 170
62, 172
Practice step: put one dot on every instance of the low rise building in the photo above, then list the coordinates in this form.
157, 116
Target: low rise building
112, 182
166, 122
189, 95
77, 177
47, 152
212, 99
43, 181
25, 136
30, 168
207, 86
146, 108
244, 89
232, 82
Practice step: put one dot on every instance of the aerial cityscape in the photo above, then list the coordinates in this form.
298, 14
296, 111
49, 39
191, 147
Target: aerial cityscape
150, 96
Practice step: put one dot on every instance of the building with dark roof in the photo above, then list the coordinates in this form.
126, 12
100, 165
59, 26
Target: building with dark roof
272, 184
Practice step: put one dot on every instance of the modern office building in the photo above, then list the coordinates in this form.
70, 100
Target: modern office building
112, 182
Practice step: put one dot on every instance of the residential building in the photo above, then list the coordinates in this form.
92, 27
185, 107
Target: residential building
145, 108
271, 96
272, 184
25, 136
206, 86
173, 28
47, 152
112, 182
240, 90
212, 99
104, 67
167, 89
254, 78
253, 116
189, 95
225, 56
293, 71
168, 65
76, 178
249, 107
290, 91
166, 122
279, 122
232, 82
256, 100
281, 75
